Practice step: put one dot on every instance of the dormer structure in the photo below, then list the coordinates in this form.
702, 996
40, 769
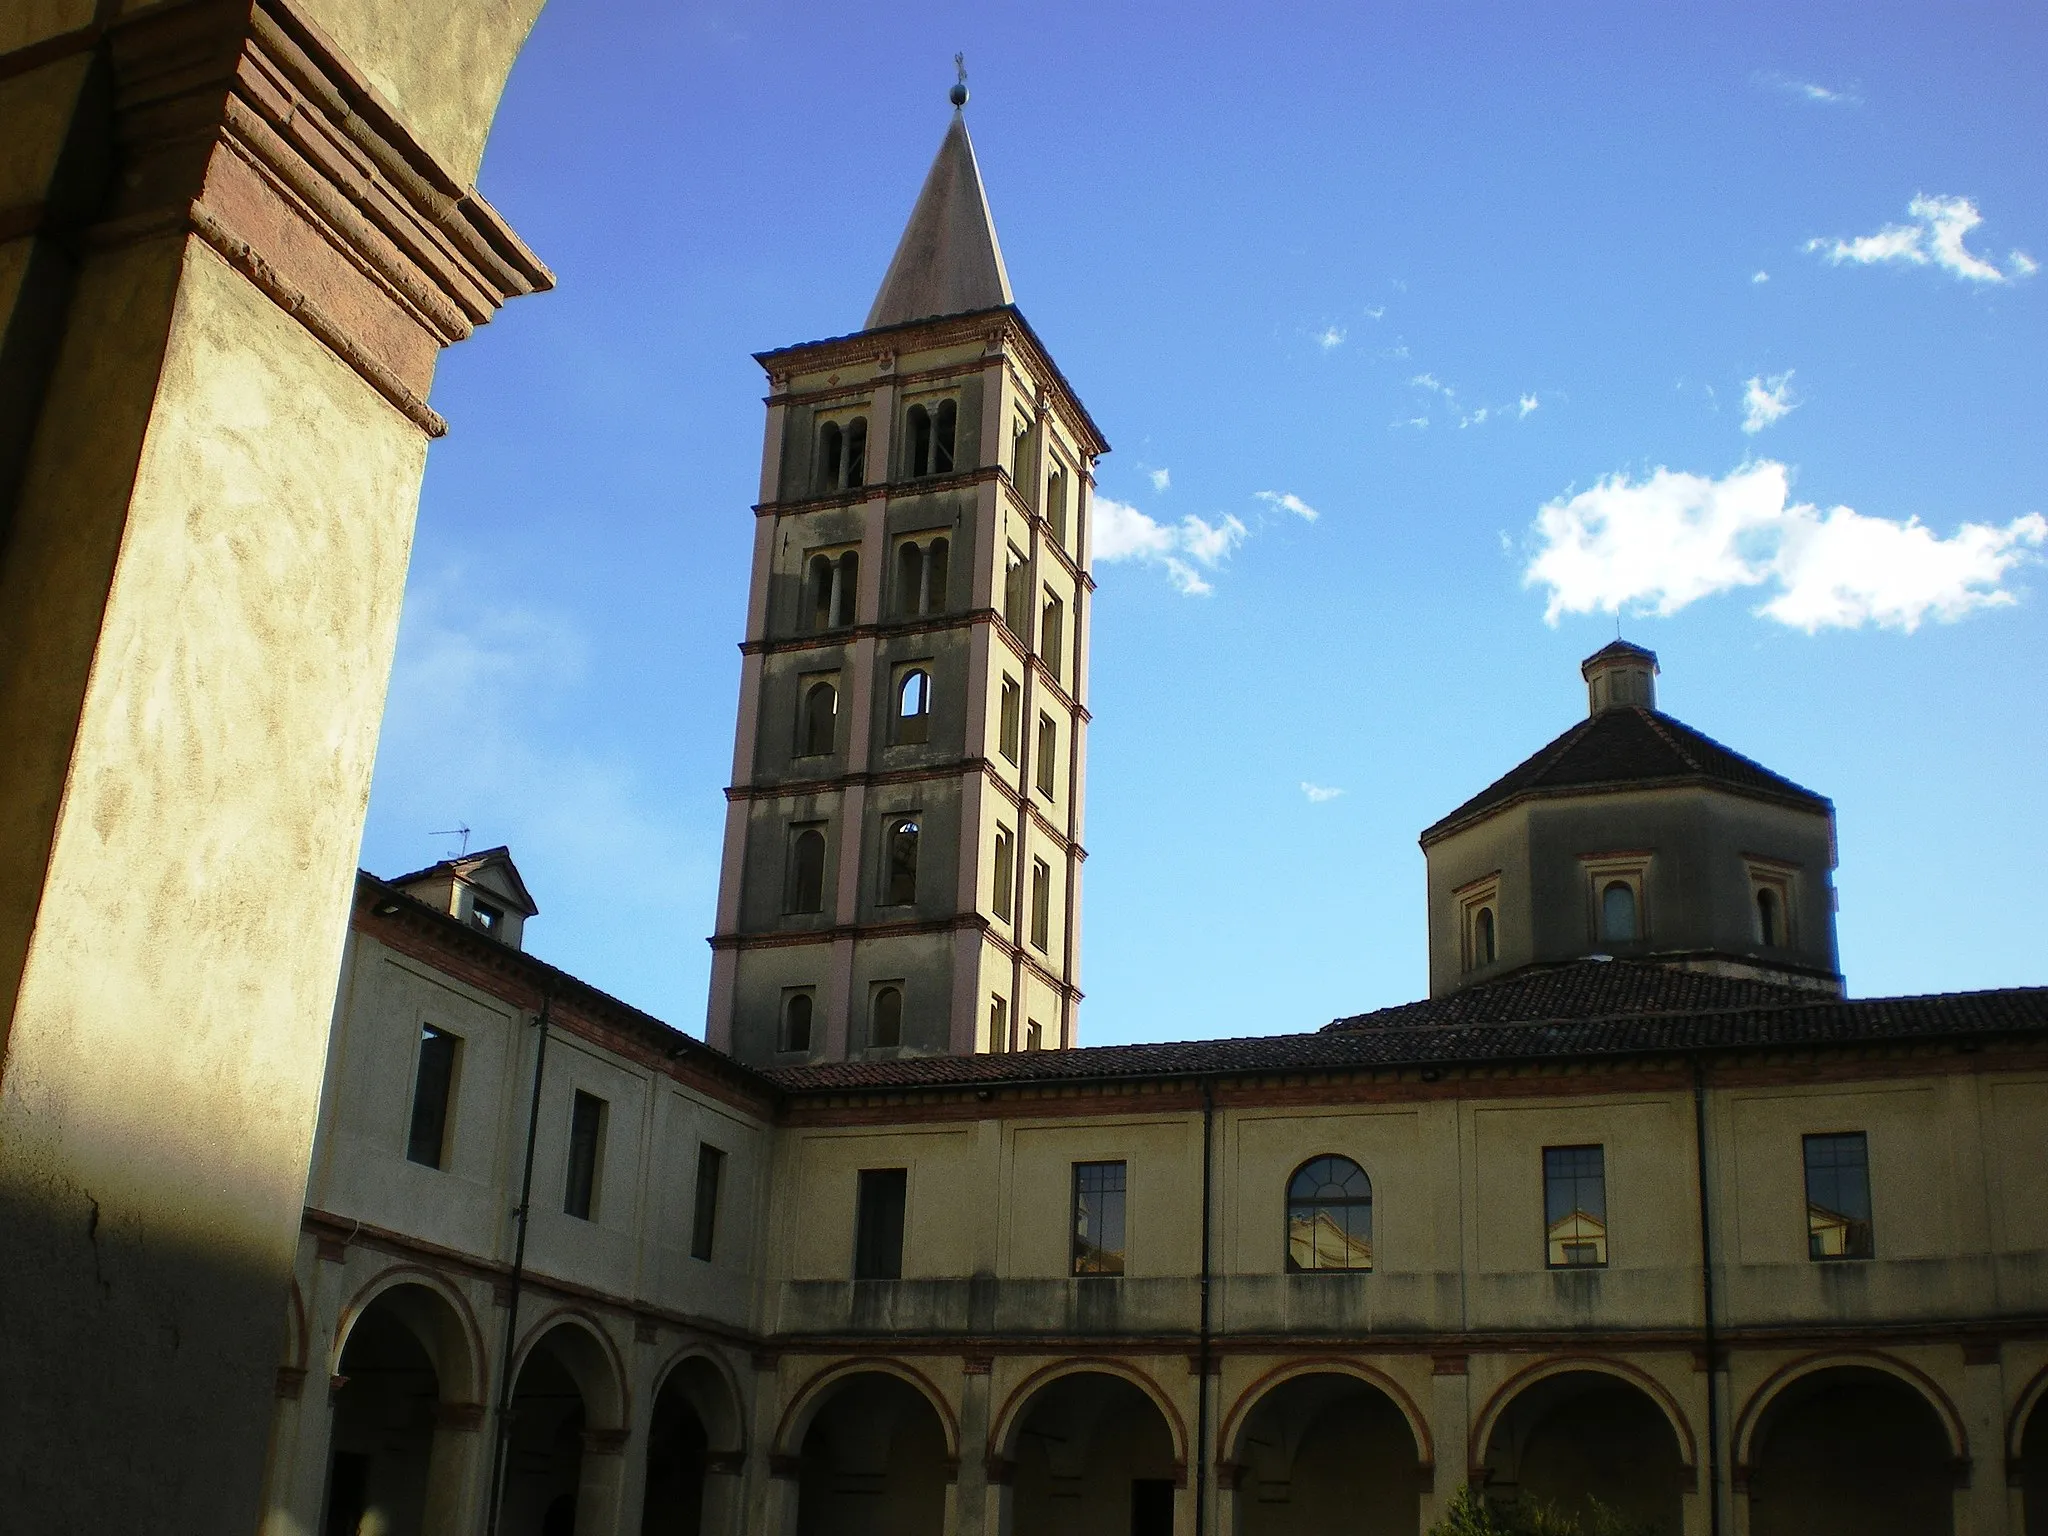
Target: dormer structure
482, 889
903, 849
1633, 836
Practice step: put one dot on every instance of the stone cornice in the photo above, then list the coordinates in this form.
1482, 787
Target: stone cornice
245, 126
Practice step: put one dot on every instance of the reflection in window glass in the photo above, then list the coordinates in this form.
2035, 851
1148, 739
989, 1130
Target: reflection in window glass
1098, 1218
1838, 1197
427, 1139
1575, 1207
1329, 1216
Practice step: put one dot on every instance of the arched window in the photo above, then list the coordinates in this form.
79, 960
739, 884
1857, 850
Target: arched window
1329, 1216
807, 872
1769, 926
821, 718
845, 589
909, 578
831, 456
886, 1025
1618, 912
796, 1022
914, 707
900, 889
1483, 948
935, 576
942, 437
818, 608
856, 452
918, 438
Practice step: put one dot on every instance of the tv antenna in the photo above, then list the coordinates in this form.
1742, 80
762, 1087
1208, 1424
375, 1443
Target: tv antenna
461, 831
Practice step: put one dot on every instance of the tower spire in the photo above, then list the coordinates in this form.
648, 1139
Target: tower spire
948, 261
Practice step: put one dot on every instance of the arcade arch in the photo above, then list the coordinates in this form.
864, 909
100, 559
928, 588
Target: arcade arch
1090, 1450
1860, 1446
568, 1425
695, 1435
875, 1453
1571, 1432
1328, 1449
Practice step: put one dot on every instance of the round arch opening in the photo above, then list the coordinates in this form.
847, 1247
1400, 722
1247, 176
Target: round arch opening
1091, 1451
1851, 1449
1327, 1453
1581, 1437
873, 1459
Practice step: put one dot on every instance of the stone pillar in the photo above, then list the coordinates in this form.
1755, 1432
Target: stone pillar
970, 1482
1983, 1502
227, 265
1450, 1431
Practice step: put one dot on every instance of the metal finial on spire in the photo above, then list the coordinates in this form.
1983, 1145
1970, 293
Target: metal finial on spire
958, 95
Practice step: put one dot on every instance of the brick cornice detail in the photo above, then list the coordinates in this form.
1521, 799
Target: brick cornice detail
245, 127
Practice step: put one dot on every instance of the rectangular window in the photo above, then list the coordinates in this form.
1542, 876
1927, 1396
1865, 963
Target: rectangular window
427, 1142
1005, 871
1838, 1197
1575, 1207
586, 1155
1017, 595
1098, 1218
704, 1220
878, 1230
1044, 769
1034, 1036
1052, 625
998, 1024
1020, 450
1056, 504
1010, 729
1041, 903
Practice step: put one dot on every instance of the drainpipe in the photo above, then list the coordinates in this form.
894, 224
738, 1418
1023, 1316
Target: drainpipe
1202, 1346
1699, 1128
519, 1215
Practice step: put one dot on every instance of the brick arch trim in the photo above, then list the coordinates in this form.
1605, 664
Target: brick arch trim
1746, 1422
1240, 1412
1568, 1365
2022, 1410
805, 1402
443, 1289
1009, 1420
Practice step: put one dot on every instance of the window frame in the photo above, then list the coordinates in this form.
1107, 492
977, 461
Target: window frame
1474, 897
792, 891
1857, 1247
785, 1030
998, 1024
703, 1210
1003, 867
1108, 1262
877, 1232
1297, 1202
1045, 757
441, 1115
1041, 906
1569, 1245
1010, 720
913, 729
808, 685
583, 1170
893, 826
1604, 870
1052, 632
1778, 880
876, 992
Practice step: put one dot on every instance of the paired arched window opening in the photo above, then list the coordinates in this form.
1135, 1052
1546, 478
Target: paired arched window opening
914, 707
1485, 947
921, 572
843, 455
806, 890
1329, 1216
930, 438
1770, 921
885, 1022
1618, 915
899, 887
834, 588
820, 720
796, 1022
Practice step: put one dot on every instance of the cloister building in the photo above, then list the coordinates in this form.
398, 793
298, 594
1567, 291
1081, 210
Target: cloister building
1637, 1205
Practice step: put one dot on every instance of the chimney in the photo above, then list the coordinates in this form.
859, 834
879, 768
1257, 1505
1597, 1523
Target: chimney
1619, 675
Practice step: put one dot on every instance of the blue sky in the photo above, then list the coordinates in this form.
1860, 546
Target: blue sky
1549, 315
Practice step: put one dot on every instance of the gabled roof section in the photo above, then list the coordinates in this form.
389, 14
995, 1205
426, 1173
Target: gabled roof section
1583, 989
948, 262
1624, 748
491, 868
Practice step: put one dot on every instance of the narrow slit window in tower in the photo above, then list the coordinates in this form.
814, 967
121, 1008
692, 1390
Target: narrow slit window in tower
886, 1024
820, 722
914, 707
1048, 744
1041, 904
1052, 624
818, 610
942, 437
806, 872
831, 456
845, 589
1618, 912
909, 578
900, 875
917, 423
796, 1022
1769, 927
1483, 943
1056, 504
1017, 595
1010, 725
935, 576
856, 453
998, 1023
1005, 872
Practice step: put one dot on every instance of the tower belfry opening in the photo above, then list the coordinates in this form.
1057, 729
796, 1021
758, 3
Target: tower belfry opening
902, 861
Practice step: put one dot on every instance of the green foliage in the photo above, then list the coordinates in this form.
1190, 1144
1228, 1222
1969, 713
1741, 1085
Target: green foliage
1473, 1514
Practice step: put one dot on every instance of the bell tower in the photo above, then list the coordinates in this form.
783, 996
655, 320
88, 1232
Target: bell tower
902, 863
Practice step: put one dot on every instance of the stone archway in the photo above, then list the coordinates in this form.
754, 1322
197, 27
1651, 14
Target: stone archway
1851, 1450
2027, 1455
694, 1443
1090, 1453
403, 1445
872, 1459
1325, 1452
566, 1431
1574, 1436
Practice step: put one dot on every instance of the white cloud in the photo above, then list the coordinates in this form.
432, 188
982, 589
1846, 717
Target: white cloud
1476, 419
1934, 238
1526, 404
1665, 542
1330, 338
1767, 401
1434, 385
1375, 311
1162, 479
1287, 501
1122, 532
1760, 276
1419, 423
1319, 794
1808, 90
